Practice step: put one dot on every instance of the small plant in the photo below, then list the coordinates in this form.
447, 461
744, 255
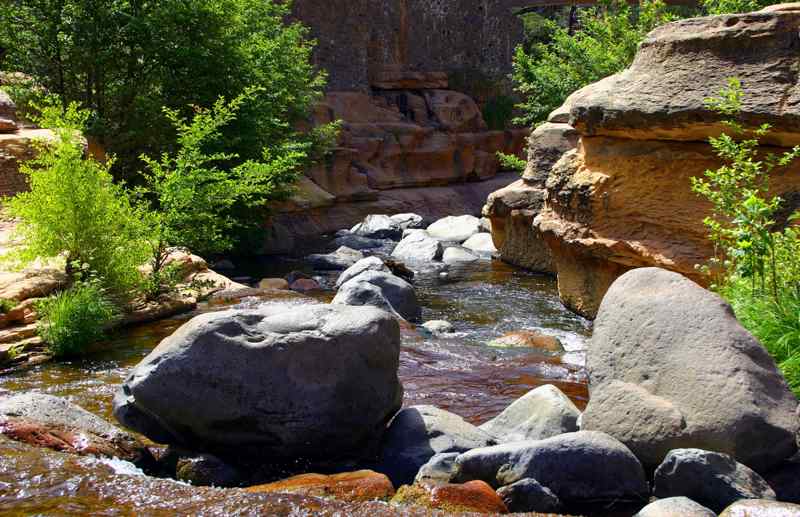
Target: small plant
498, 112
7, 305
75, 318
511, 162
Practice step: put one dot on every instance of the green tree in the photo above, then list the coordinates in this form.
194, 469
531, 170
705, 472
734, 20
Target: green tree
75, 210
126, 59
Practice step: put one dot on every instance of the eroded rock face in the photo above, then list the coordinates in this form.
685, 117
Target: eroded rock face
287, 383
623, 199
671, 367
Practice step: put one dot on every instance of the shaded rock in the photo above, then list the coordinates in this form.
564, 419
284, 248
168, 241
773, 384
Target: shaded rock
529, 339
418, 246
206, 470
439, 327
382, 290
418, 433
474, 496
408, 221
542, 413
274, 283
224, 265
712, 479
357, 242
8, 114
527, 495
54, 423
455, 111
756, 508
399, 269
486, 225
288, 382
481, 243
652, 388
340, 259
458, 255
305, 285
296, 275
378, 227
365, 264
785, 480
439, 469
675, 507
581, 467
362, 485
455, 228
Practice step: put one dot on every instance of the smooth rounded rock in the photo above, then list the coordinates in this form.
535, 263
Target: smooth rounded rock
527, 495
455, 228
541, 413
382, 290
756, 508
712, 479
439, 469
340, 259
474, 496
675, 507
439, 327
482, 244
457, 255
408, 221
365, 264
378, 227
273, 283
357, 242
278, 383
418, 433
418, 247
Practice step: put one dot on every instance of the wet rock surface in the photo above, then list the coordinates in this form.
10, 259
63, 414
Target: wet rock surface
473, 496
362, 485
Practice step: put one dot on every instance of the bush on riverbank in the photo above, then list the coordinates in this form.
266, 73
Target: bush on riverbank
75, 318
756, 268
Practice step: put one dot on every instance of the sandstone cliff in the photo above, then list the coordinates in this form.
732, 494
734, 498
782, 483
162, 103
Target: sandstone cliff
622, 199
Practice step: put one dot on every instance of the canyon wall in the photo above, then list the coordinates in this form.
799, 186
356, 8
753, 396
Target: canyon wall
622, 199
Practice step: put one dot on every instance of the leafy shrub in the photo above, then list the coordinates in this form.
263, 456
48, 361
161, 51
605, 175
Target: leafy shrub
736, 6
546, 73
511, 162
75, 210
756, 266
7, 305
498, 112
75, 318
126, 59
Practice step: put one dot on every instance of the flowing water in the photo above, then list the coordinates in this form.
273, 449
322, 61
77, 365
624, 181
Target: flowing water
460, 373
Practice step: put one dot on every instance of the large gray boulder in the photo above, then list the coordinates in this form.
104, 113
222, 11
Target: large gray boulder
417, 434
276, 383
712, 479
456, 255
338, 260
383, 290
582, 467
379, 227
671, 367
761, 508
675, 507
455, 228
418, 246
46, 421
542, 413
365, 264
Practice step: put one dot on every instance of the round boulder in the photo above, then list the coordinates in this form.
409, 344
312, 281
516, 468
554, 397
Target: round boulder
382, 290
418, 246
278, 383
365, 264
455, 228
542, 413
675, 507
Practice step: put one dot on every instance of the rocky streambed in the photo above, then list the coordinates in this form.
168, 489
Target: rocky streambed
459, 371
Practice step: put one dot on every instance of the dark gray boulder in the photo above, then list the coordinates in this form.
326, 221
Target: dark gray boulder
527, 495
378, 227
785, 480
340, 259
418, 247
357, 242
277, 383
418, 433
541, 413
675, 507
382, 290
580, 468
671, 367
712, 479
206, 470
365, 264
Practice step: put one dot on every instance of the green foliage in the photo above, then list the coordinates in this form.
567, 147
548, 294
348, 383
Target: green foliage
736, 6
548, 72
7, 305
498, 112
75, 318
124, 60
25, 93
511, 162
755, 266
203, 199
75, 210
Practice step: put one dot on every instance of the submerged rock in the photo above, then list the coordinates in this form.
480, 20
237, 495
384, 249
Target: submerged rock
527, 495
206, 470
529, 339
455, 229
418, 433
671, 367
581, 467
474, 496
359, 486
54, 423
382, 290
284, 383
418, 246
340, 259
357, 242
542, 413
712, 479
273, 283
675, 507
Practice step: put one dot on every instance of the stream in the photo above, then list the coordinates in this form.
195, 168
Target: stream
460, 373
